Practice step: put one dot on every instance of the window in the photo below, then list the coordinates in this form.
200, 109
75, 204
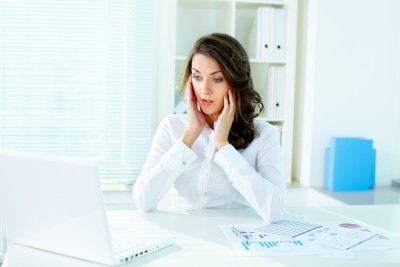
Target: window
76, 80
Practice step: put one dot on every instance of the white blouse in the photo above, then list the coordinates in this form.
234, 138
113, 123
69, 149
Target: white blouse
203, 177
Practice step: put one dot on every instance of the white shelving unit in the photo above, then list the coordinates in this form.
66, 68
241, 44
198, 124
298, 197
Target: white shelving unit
182, 22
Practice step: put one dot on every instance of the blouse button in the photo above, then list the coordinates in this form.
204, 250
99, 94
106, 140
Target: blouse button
184, 162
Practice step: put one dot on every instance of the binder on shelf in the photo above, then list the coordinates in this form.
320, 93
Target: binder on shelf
279, 34
267, 38
275, 93
260, 37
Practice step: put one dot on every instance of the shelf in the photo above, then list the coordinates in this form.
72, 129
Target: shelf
275, 62
180, 58
272, 120
258, 2
252, 60
261, 2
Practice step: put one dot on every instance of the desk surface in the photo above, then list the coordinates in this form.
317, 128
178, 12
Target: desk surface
201, 242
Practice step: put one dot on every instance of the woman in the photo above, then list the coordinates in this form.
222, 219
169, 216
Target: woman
217, 155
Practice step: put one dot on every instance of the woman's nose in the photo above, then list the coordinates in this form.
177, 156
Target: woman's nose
205, 88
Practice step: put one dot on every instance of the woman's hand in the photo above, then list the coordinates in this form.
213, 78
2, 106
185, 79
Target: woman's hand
196, 118
225, 121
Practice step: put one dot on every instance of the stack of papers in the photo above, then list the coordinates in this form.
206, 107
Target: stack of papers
292, 237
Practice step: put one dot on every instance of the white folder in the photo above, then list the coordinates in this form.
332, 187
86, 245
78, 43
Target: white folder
275, 93
279, 34
270, 93
280, 93
261, 35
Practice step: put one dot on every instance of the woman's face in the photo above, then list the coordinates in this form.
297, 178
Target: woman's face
209, 85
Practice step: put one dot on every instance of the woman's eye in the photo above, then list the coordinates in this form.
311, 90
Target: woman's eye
218, 80
197, 78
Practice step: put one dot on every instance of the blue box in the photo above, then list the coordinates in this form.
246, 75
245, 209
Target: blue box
350, 164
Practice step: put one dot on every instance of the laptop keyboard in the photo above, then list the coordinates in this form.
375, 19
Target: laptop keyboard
123, 243
123, 239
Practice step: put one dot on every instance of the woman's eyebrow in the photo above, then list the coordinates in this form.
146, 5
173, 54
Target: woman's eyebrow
215, 72
210, 73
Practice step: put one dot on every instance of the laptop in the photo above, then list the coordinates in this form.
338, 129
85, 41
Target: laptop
56, 204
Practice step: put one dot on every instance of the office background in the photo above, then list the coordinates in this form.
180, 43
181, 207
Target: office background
348, 83
347, 80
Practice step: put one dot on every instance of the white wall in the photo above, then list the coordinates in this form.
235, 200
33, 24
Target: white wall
351, 84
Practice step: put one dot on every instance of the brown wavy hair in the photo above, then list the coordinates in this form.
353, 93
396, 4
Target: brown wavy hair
234, 63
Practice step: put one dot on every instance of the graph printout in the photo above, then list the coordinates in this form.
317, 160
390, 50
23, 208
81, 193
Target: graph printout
334, 237
291, 237
383, 240
288, 228
251, 243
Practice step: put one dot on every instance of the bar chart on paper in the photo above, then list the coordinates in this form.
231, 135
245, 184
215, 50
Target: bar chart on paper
270, 244
259, 243
263, 241
251, 243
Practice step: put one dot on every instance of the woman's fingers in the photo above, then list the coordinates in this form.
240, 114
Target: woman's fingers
229, 105
225, 110
189, 92
232, 106
225, 120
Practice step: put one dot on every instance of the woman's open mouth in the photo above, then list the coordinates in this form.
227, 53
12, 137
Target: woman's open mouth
207, 102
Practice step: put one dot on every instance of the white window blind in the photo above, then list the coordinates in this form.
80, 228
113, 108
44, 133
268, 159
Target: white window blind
76, 80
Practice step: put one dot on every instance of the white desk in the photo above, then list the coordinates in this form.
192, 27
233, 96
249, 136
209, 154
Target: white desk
200, 242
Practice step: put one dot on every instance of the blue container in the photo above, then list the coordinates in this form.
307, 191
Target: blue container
350, 164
